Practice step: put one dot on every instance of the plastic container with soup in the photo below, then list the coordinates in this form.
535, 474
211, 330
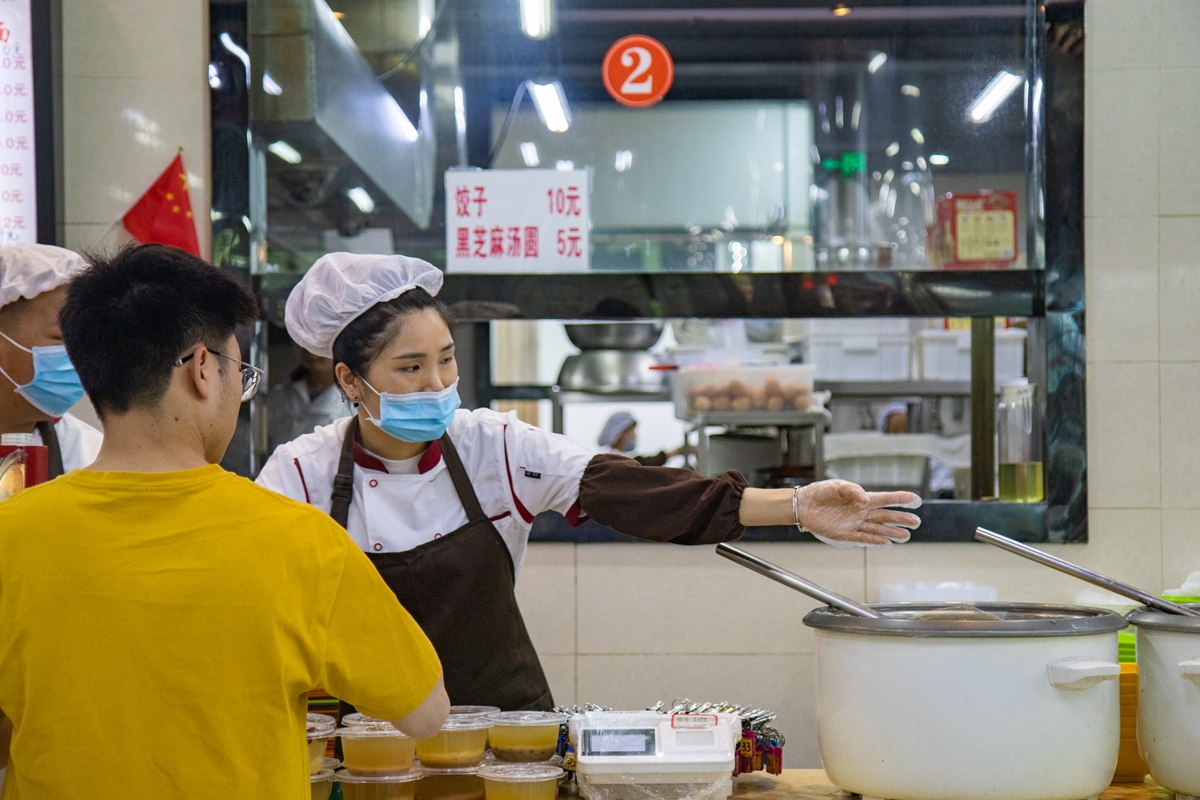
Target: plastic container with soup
378, 787
520, 781
461, 742
376, 751
525, 736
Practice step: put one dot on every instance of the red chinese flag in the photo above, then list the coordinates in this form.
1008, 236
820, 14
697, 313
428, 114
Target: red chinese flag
164, 213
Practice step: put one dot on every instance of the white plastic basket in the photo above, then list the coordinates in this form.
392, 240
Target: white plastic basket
880, 472
946, 355
860, 357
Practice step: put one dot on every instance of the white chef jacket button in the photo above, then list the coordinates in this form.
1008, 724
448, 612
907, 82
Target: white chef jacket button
378, 547
374, 484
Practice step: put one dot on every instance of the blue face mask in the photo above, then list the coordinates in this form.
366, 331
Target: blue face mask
55, 386
418, 416
630, 446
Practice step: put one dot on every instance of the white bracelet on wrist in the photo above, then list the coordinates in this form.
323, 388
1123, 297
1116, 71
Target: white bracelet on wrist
796, 509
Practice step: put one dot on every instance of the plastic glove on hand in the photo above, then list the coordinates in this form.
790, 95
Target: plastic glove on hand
843, 514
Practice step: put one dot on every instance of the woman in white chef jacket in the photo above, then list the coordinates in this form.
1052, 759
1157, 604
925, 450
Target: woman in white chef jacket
442, 499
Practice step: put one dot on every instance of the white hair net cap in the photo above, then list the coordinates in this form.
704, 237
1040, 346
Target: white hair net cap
617, 424
27, 270
342, 286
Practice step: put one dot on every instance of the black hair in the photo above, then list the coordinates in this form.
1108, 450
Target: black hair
128, 317
368, 335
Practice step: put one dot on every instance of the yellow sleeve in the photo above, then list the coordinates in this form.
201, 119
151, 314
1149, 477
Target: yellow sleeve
377, 658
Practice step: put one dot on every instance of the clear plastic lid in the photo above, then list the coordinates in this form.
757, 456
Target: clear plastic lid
466, 723
363, 732
363, 721
526, 718
456, 771
345, 776
324, 776
320, 725
331, 764
520, 773
472, 711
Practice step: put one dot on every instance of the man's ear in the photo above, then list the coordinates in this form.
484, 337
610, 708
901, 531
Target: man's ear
202, 370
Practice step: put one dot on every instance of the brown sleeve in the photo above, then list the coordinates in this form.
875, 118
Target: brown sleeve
657, 460
662, 504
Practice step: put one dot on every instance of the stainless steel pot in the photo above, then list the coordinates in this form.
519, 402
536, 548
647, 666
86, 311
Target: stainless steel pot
612, 371
1021, 703
1168, 658
614, 335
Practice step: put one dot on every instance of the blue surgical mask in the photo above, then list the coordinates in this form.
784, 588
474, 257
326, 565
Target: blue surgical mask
55, 386
630, 446
417, 416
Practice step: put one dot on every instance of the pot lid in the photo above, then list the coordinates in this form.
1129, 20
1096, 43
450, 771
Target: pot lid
1161, 621
971, 619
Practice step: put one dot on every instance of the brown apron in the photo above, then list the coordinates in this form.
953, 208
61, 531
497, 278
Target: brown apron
54, 462
459, 589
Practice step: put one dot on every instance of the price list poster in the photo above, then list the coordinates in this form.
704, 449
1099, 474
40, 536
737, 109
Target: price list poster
18, 170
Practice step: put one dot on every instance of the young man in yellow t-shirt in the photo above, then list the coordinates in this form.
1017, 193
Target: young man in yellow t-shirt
161, 620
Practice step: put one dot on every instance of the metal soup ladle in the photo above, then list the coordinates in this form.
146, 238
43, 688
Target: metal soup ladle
1095, 578
794, 581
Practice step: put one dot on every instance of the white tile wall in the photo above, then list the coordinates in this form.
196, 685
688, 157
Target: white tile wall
135, 89
655, 622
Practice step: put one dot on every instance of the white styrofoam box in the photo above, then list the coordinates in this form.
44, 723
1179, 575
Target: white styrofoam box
880, 472
946, 355
859, 326
879, 357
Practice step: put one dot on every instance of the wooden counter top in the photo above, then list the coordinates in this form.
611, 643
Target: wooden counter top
811, 784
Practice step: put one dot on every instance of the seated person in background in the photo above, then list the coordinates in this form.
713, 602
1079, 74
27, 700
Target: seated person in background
893, 418
619, 436
311, 399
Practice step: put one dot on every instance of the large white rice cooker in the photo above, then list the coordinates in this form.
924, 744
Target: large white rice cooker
930, 702
1168, 658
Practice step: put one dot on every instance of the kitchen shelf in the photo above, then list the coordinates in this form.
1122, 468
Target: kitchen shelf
768, 295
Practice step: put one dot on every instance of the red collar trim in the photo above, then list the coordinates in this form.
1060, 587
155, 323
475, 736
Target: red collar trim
367, 461
429, 459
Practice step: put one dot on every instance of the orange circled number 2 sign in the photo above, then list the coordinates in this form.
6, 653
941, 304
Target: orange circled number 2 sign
638, 71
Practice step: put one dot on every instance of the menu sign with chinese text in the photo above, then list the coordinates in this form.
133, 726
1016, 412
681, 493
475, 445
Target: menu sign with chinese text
517, 220
18, 170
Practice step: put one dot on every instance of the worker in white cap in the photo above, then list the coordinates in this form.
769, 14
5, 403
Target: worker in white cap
442, 499
37, 381
619, 437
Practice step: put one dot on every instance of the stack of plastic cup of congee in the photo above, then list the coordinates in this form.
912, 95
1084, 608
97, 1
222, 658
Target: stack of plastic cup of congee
377, 760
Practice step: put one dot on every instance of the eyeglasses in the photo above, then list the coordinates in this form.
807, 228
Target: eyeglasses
251, 375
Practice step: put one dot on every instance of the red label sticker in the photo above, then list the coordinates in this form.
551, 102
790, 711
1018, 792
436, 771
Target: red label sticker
693, 720
638, 71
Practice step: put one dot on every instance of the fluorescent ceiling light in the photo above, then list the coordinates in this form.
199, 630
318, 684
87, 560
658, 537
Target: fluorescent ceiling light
285, 151
624, 160
530, 154
460, 112
537, 18
214, 78
425, 14
917, 136
564, 166
270, 86
232, 47
994, 94
551, 105
892, 149
358, 195
939, 160
876, 63
908, 90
